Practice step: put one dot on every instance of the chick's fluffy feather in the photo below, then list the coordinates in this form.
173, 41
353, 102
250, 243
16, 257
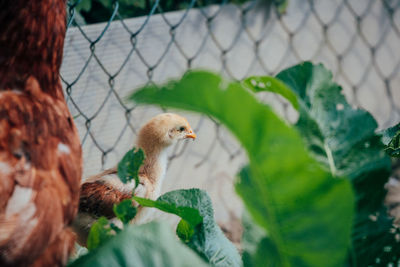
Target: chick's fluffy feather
100, 192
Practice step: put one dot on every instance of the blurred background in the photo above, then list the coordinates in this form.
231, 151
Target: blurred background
113, 47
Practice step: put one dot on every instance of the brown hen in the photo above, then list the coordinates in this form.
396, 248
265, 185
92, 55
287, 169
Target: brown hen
40, 153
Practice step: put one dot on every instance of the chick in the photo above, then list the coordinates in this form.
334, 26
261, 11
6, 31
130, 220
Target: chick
100, 192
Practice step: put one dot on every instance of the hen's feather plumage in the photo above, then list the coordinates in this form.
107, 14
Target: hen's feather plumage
40, 153
40, 170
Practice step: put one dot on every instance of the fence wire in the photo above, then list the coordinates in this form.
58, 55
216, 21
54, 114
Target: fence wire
358, 40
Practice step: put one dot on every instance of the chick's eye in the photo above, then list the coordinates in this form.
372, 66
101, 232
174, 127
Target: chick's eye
182, 129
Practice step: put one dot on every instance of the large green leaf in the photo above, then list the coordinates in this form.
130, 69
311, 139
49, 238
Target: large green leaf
341, 137
151, 244
307, 214
344, 139
197, 227
273, 85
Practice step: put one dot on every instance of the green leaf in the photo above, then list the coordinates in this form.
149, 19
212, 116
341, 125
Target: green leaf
133, 3
125, 211
191, 215
197, 227
307, 214
344, 140
252, 242
376, 241
145, 245
393, 149
341, 137
265, 255
185, 230
84, 5
271, 84
99, 233
281, 5
107, 3
391, 138
309, 238
389, 133
128, 167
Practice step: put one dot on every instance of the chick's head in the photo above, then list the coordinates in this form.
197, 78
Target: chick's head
165, 129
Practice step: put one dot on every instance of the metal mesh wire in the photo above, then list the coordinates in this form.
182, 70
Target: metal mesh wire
358, 40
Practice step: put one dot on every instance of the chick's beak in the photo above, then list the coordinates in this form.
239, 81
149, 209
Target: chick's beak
191, 134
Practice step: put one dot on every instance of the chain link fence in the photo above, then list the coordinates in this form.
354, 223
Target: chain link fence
358, 40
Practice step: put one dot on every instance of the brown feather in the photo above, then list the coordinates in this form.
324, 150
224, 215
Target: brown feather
40, 153
57, 253
30, 150
98, 199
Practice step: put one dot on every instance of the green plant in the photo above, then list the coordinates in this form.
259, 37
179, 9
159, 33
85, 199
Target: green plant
197, 229
313, 191
391, 138
342, 139
291, 197
146, 245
